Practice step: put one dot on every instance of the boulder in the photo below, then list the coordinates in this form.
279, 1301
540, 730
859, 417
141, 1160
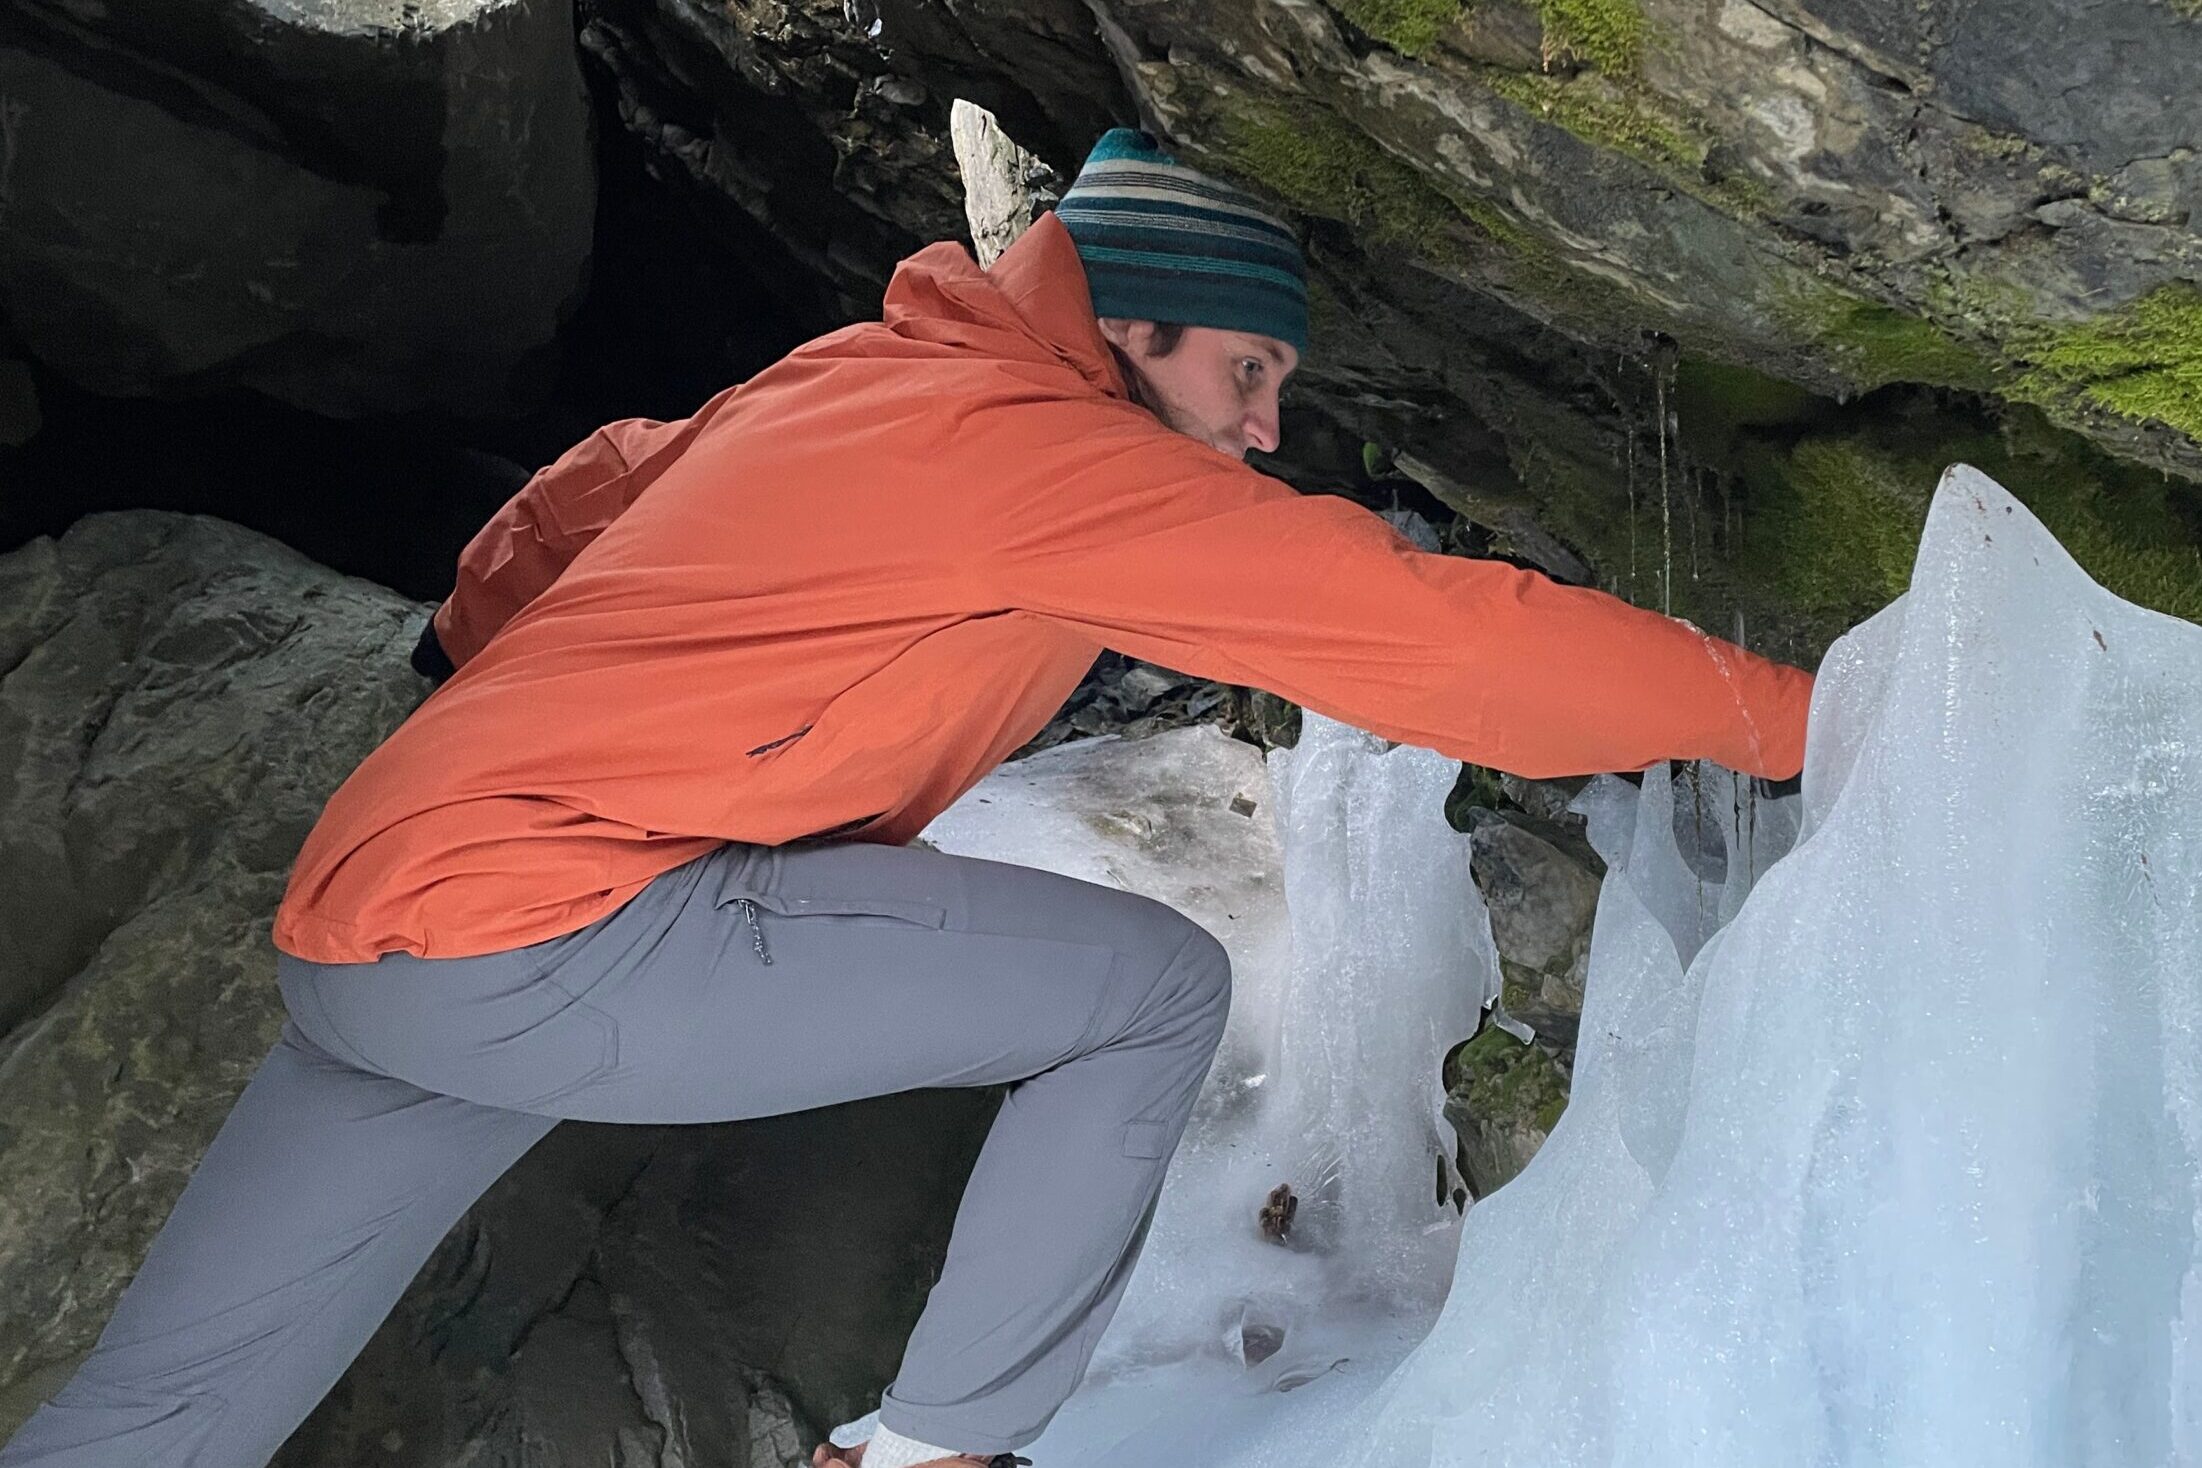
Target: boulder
181, 696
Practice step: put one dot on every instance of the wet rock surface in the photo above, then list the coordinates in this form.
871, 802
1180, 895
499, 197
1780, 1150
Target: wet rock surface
1542, 890
1503, 1098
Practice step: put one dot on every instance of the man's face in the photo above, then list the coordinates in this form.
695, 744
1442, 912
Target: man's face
1214, 385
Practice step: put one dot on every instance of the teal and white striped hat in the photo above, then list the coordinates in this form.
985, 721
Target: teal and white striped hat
1163, 242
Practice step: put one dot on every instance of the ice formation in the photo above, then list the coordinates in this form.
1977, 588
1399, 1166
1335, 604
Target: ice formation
1327, 1080
1906, 1166
1886, 1151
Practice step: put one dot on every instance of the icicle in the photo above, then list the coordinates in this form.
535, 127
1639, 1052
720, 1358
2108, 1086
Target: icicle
1629, 438
1666, 502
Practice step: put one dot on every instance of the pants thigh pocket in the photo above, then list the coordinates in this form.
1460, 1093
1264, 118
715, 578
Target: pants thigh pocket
1150, 1139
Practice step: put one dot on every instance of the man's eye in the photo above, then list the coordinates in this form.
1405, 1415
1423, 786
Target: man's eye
1252, 365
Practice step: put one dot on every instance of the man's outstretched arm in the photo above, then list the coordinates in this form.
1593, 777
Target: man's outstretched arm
1170, 552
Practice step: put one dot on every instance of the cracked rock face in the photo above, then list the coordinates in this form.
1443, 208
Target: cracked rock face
1759, 182
179, 698
356, 206
1759, 179
1541, 886
814, 124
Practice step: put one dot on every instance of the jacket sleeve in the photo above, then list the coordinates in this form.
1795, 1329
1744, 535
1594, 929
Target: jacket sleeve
557, 513
1171, 552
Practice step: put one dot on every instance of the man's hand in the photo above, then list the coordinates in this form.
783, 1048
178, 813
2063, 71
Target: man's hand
429, 658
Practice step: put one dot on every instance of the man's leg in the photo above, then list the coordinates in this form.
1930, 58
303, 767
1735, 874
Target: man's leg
751, 982
316, 1204
760, 981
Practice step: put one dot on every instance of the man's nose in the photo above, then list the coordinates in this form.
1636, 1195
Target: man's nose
1262, 430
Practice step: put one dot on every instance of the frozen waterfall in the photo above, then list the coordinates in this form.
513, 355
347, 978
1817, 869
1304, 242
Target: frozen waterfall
1906, 1167
1885, 1146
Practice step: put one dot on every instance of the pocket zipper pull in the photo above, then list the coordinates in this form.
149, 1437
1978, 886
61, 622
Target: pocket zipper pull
756, 934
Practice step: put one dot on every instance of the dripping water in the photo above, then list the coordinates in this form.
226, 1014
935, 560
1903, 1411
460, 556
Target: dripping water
1697, 494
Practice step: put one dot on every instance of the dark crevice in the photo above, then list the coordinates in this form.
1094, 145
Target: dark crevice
685, 297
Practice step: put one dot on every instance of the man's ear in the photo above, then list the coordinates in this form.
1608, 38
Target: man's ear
1133, 338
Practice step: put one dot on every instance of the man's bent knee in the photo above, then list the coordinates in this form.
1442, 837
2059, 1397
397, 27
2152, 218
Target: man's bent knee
1193, 988
1204, 968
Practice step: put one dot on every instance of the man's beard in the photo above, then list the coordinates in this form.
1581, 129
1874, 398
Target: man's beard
1143, 392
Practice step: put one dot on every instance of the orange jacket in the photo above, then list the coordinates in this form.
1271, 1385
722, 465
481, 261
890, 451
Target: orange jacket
860, 580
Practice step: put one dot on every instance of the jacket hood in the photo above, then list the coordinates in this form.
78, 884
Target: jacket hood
1032, 304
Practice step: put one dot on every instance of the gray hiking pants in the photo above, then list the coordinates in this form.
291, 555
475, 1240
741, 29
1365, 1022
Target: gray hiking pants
749, 982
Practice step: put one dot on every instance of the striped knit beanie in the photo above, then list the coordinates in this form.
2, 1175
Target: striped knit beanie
1161, 242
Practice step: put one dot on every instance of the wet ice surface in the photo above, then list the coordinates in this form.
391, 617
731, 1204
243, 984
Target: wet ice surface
1902, 1165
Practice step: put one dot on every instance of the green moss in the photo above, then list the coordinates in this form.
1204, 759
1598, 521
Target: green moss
1475, 787
1834, 527
1608, 34
1502, 228
1499, 1079
1607, 115
2144, 362
1881, 345
1878, 345
1833, 523
1409, 27
1548, 1115
1324, 166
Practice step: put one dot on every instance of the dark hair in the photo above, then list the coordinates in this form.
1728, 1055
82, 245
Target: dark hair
1167, 338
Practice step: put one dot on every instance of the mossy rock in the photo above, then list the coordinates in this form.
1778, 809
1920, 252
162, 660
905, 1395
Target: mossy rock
1607, 34
1612, 115
1503, 1098
1833, 522
1409, 27
1323, 166
2144, 362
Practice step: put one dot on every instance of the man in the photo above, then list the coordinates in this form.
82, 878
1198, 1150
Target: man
642, 858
